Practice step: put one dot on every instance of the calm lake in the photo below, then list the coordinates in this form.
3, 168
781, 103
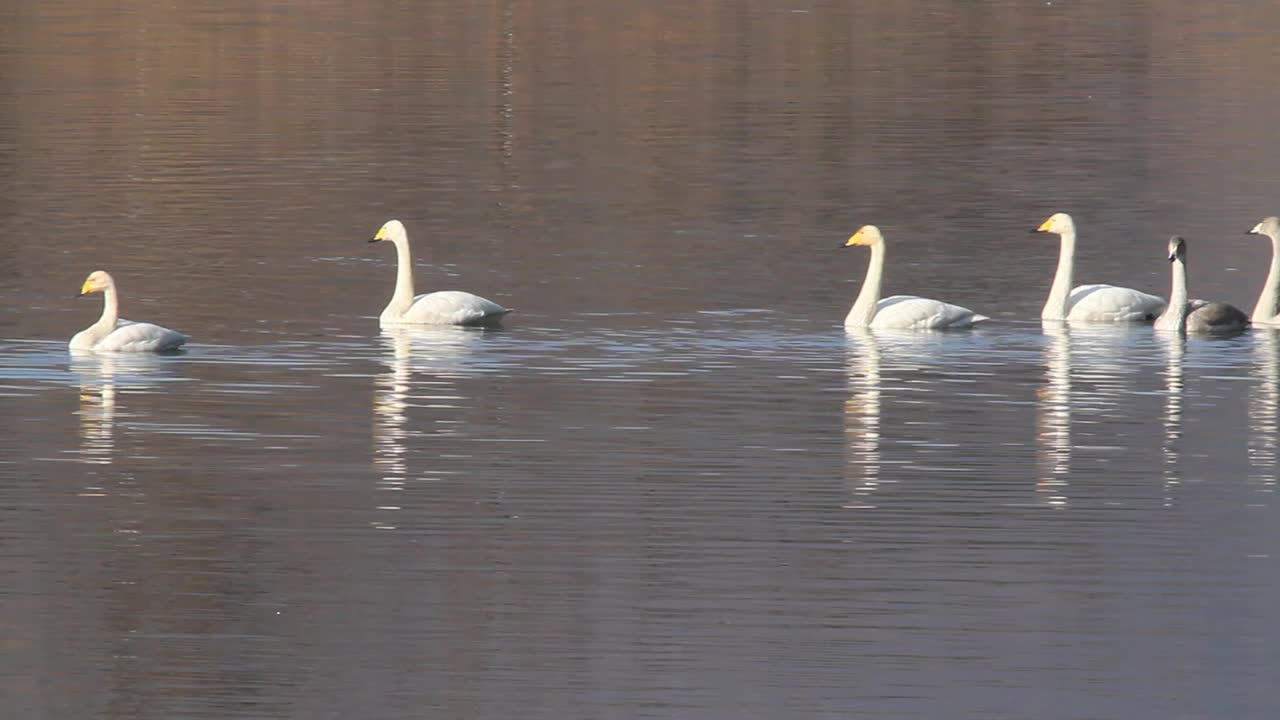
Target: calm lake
673, 485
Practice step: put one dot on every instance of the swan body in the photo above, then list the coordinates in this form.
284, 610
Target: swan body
906, 312
1267, 310
1090, 303
445, 307
1195, 316
114, 334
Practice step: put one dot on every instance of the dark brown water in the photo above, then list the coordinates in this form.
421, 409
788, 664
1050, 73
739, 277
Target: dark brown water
672, 486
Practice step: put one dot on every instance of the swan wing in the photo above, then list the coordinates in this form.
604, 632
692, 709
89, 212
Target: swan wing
1108, 303
140, 337
908, 312
453, 307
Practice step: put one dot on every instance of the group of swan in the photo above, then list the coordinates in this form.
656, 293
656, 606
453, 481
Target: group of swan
1084, 303
1096, 303
446, 307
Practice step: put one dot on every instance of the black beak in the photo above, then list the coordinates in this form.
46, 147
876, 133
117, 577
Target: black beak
1033, 231
79, 295
374, 240
843, 245
1172, 257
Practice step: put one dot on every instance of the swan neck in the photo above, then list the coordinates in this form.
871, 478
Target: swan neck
864, 307
1175, 316
1055, 308
403, 296
1266, 310
110, 310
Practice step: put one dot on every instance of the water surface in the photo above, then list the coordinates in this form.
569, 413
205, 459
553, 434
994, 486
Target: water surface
673, 485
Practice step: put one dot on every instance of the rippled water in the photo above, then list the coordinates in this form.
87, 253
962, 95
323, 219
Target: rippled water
672, 485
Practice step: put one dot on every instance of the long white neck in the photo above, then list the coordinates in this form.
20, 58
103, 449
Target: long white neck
110, 311
403, 297
1266, 310
864, 308
1175, 316
89, 337
1055, 308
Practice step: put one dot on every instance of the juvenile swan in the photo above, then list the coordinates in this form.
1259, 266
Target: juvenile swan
899, 311
445, 307
1196, 316
114, 334
1093, 303
1266, 311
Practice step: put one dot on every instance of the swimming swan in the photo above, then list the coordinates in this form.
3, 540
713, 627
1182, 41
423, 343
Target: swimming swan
445, 307
1266, 311
899, 311
1095, 303
114, 334
1197, 316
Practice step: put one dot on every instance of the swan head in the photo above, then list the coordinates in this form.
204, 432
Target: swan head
1269, 227
1058, 224
392, 230
1177, 249
866, 235
97, 281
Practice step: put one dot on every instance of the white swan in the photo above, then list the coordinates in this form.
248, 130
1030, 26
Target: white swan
114, 334
1096, 303
1197, 316
900, 311
1266, 311
445, 307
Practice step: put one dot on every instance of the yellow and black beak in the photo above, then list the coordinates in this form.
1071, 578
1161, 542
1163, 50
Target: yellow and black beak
854, 239
1044, 227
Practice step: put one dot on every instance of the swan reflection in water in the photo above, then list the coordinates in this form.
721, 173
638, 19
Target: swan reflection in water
1264, 405
1174, 350
1053, 416
870, 356
439, 355
1086, 382
862, 417
102, 378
